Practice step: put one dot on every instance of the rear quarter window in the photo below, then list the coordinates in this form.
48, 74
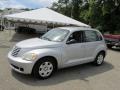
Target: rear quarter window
99, 36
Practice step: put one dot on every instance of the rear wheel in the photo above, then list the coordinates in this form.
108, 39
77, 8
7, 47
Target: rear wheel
44, 68
99, 59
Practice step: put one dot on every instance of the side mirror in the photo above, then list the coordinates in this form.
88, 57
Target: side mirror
70, 42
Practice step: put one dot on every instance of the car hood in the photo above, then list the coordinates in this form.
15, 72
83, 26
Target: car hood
37, 43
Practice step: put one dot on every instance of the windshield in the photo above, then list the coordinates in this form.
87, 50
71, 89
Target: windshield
56, 35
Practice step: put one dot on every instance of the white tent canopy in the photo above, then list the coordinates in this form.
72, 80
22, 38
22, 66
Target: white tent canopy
44, 15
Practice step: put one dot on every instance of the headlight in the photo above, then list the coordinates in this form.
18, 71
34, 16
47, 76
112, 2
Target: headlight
29, 56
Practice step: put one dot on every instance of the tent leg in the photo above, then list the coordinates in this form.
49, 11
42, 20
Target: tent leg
1, 23
46, 27
53, 25
9, 28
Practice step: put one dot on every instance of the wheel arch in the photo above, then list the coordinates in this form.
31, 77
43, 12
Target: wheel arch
102, 51
52, 58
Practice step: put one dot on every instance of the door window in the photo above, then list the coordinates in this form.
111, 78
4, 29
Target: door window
91, 36
75, 37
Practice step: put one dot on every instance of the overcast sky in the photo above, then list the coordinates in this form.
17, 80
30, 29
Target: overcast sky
25, 3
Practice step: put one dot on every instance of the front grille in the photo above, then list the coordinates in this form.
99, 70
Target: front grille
15, 51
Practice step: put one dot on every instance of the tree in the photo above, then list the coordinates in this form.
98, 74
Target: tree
62, 6
102, 14
111, 13
76, 8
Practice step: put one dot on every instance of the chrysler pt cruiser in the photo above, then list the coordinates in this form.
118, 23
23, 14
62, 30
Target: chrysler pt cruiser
58, 48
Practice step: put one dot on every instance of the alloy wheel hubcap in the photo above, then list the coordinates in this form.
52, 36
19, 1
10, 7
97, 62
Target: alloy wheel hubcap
100, 59
45, 69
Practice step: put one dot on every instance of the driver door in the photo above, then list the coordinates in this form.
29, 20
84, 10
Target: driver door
74, 49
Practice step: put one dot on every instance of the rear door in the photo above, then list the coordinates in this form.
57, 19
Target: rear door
92, 42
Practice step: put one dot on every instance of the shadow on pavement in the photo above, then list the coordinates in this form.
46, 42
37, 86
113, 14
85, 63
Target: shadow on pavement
81, 72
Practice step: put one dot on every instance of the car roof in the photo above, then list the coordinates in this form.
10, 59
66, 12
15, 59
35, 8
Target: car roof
71, 29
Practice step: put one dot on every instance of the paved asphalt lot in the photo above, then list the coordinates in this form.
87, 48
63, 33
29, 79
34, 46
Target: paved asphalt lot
82, 77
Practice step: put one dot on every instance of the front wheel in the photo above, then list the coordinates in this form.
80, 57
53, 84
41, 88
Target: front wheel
44, 68
99, 59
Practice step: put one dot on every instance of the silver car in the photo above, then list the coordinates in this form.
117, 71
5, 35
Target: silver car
58, 48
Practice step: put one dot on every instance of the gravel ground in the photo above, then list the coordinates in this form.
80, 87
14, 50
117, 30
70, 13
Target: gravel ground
82, 77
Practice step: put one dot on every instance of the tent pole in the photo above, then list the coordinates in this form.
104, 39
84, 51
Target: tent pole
46, 27
4, 23
9, 28
1, 22
53, 25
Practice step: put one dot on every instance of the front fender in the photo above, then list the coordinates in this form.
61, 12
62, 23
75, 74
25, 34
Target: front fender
54, 52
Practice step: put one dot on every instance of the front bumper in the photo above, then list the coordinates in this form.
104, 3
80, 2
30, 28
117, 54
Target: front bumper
20, 65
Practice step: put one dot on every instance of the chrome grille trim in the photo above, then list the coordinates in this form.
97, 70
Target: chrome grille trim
15, 51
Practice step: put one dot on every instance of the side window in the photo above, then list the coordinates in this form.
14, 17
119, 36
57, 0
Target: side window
75, 37
91, 36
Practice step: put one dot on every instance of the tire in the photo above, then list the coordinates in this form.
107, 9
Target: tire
99, 60
44, 68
